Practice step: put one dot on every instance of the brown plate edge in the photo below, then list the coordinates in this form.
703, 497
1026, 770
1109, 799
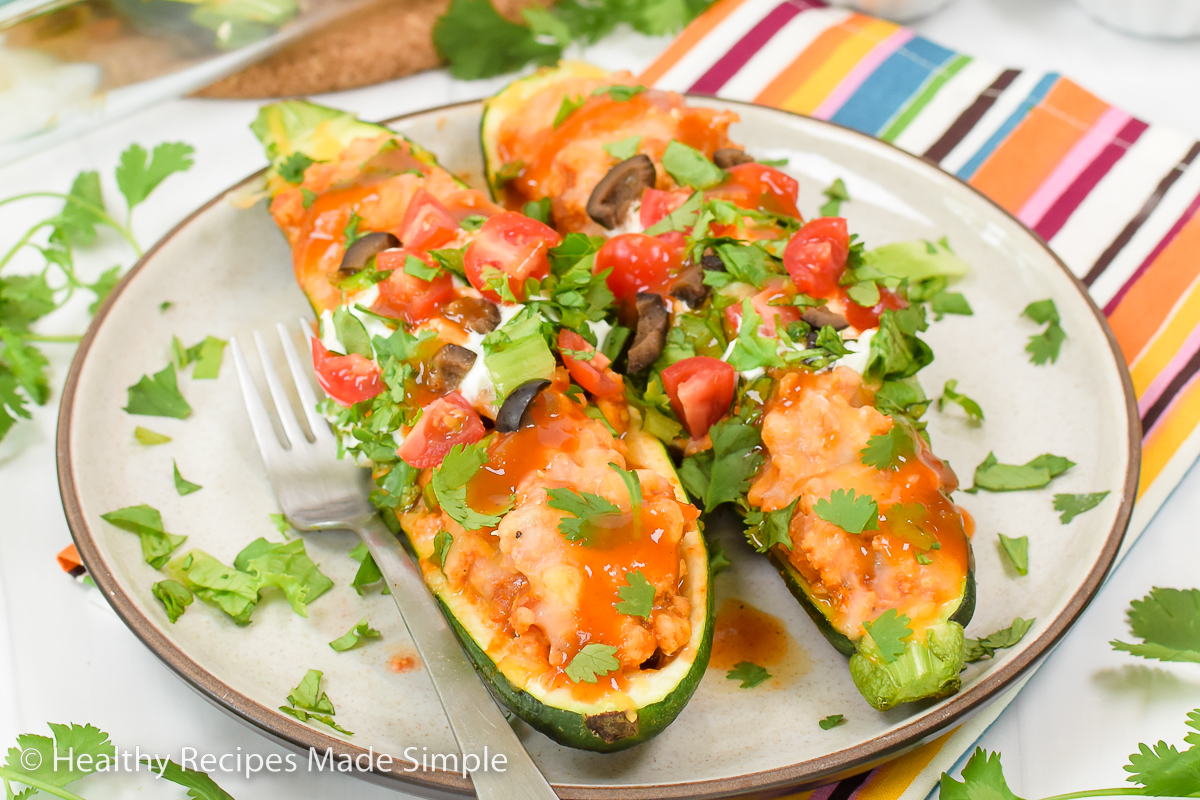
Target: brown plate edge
285, 730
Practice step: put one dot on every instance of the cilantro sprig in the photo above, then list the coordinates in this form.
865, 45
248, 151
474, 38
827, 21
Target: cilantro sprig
53, 274
450, 485
1044, 347
1168, 623
850, 513
591, 662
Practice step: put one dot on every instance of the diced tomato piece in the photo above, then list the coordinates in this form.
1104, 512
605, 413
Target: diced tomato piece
639, 263
407, 297
700, 389
591, 373
866, 318
656, 204
427, 224
447, 421
347, 379
759, 187
767, 312
816, 256
514, 244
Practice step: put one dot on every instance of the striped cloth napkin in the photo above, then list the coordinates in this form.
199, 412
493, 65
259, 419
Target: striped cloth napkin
1114, 196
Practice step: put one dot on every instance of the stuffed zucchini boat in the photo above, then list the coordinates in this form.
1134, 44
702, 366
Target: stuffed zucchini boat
778, 355
554, 532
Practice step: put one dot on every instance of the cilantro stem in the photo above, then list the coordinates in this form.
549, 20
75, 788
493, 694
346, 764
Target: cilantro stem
7, 773
1132, 790
24, 240
100, 213
67, 338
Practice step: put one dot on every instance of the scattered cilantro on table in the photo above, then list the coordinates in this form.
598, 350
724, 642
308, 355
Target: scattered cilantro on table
1017, 552
308, 702
355, 636
1072, 505
637, 596
478, 42
1044, 347
979, 649
591, 662
58, 239
749, 673
1168, 623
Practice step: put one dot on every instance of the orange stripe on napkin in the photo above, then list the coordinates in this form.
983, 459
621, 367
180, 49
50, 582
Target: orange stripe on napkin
1014, 172
795, 73
1166, 345
1148, 302
894, 777
1172, 430
835, 53
693, 33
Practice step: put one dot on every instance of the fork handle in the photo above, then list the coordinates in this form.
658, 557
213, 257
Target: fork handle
475, 719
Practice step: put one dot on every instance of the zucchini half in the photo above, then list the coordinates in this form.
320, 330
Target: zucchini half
511, 99
604, 726
927, 669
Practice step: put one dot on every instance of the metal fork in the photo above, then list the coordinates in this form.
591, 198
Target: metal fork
318, 491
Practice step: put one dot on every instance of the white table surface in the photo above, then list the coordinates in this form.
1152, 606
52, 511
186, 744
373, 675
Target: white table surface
65, 657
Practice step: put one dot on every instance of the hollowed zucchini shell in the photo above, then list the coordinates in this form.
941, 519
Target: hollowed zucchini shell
658, 695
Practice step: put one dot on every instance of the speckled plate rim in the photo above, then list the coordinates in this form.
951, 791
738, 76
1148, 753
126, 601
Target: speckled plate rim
807, 774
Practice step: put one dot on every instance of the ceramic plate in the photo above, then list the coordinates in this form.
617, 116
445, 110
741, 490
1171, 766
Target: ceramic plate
228, 272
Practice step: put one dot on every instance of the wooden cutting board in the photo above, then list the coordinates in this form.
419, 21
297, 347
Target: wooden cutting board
381, 42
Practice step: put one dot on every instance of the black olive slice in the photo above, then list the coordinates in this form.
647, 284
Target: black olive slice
514, 411
364, 249
653, 321
819, 317
728, 157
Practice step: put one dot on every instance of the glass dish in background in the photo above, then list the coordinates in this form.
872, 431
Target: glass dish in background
67, 66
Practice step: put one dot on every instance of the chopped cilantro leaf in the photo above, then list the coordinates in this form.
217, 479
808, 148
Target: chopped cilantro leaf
149, 437
285, 566
441, 547
352, 333
184, 486
723, 474
619, 92
996, 477
944, 303
207, 356
637, 597
1045, 346
450, 485
231, 590
308, 702
624, 149
355, 636
851, 514
1072, 505
831, 722
749, 673
689, 167
1168, 623
587, 510
979, 649
889, 450
147, 523
568, 107
158, 396
896, 352
539, 210
951, 395
888, 632
592, 661
308, 197
1017, 551
632, 484
718, 560
292, 168
764, 530
368, 571
681, 218
835, 194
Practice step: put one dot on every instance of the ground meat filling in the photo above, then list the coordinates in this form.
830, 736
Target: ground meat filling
814, 430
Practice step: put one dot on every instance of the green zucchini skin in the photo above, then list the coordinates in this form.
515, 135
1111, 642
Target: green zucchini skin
938, 660
570, 728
